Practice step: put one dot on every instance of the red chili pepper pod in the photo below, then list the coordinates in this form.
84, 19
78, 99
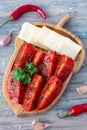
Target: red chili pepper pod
23, 9
75, 110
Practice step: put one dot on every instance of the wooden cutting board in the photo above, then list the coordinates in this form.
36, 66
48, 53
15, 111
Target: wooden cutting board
18, 109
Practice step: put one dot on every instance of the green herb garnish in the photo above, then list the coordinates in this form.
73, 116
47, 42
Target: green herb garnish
30, 68
25, 74
19, 74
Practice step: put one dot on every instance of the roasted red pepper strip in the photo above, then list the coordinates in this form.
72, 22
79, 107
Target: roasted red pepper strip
32, 92
50, 91
23, 9
15, 89
48, 64
38, 58
64, 67
26, 53
75, 110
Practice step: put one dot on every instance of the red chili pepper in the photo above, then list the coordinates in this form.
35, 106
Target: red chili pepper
23, 9
75, 110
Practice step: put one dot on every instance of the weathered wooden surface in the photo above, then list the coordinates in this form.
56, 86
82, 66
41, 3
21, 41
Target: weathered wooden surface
55, 10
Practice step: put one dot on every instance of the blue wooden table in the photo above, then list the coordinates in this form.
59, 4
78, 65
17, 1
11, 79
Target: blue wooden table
55, 10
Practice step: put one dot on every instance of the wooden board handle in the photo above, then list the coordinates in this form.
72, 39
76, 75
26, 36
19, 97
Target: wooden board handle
64, 20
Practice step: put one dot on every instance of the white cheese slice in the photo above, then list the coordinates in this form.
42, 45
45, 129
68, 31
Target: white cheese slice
29, 32
69, 48
33, 34
25, 31
54, 41
62, 45
42, 36
48, 39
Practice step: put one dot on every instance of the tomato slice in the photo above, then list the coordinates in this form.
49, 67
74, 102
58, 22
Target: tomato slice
26, 53
15, 89
32, 92
50, 91
49, 63
39, 56
64, 67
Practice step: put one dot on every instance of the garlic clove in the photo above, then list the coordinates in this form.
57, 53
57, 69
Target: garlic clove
82, 89
36, 125
6, 40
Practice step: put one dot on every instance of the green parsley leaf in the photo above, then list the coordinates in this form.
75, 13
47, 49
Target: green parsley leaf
20, 75
30, 68
23, 74
26, 79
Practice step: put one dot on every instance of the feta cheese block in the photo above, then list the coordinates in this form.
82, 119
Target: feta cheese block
48, 39
42, 37
33, 34
62, 45
69, 48
54, 41
25, 31
29, 32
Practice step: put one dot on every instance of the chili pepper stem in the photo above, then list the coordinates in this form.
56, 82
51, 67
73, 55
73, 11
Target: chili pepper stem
8, 20
66, 115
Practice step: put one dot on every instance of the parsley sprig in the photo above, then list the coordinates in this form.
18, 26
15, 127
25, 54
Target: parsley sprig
25, 74
30, 68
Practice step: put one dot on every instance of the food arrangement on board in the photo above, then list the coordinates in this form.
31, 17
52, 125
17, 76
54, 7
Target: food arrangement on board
45, 58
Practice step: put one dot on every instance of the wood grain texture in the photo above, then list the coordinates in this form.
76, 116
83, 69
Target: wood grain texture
55, 10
